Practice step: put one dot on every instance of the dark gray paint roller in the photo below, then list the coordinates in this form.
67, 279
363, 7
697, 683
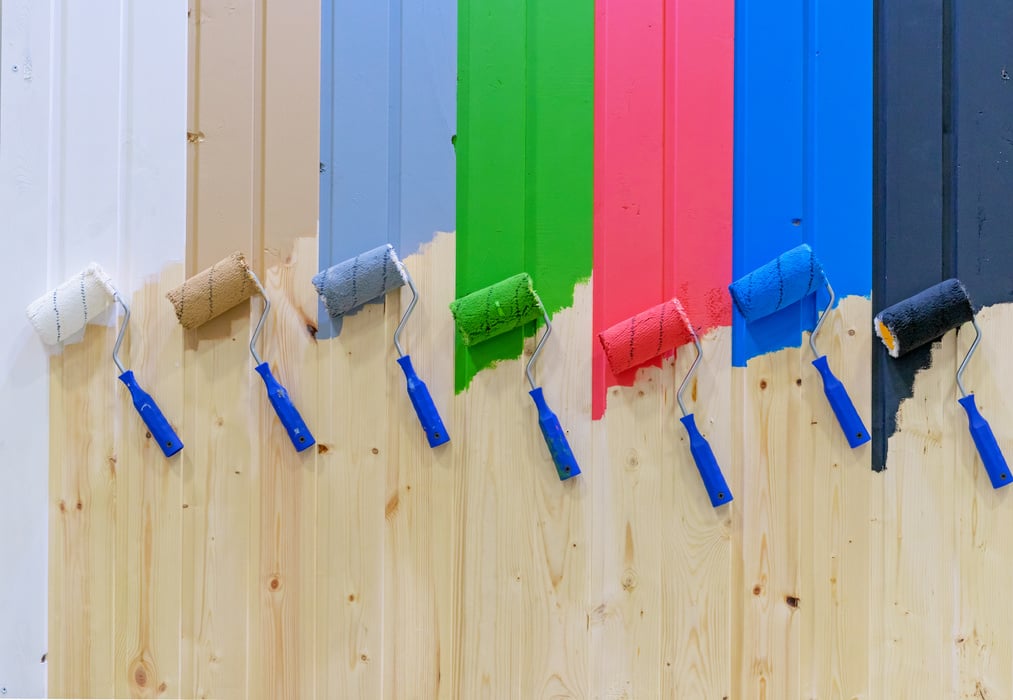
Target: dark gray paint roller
926, 317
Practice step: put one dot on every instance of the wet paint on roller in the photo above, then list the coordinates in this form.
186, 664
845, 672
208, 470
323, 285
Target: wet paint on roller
386, 158
663, 165
524, 155
646, 336
803, 145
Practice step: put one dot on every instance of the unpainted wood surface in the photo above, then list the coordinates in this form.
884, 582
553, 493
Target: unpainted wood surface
470, 571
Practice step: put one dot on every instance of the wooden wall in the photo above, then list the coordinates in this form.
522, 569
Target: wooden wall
374, 567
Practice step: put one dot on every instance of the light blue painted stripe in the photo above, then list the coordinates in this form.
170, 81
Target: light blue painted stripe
388, 105
803, 149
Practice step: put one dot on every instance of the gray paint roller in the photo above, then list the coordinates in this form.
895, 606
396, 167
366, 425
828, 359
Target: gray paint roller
66, 310
926, 317
787, 279
214, 291
350, 284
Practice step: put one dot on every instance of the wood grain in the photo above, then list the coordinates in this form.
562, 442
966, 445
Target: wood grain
421, 524
221, 462
84, 518
919, 557
149, 496
352, 505
769, 524
626, 618
981, 638
837, 487
696, 537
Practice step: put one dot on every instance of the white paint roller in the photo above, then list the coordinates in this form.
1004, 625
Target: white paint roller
61, 313
66, 310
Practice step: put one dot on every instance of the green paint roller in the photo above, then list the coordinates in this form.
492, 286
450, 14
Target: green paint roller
501, 307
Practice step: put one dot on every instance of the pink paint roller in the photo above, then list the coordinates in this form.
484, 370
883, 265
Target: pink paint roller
650, 334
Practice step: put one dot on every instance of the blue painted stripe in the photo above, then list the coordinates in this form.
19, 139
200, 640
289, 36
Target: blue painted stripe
387, 116
803, 148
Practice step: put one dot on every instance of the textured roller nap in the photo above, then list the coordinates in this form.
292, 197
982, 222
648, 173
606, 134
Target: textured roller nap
925, 317
780, 283
645, 336
496, 309
213, 291
350, 284
59, 314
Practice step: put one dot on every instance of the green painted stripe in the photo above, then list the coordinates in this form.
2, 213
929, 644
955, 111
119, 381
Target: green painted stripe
524, 154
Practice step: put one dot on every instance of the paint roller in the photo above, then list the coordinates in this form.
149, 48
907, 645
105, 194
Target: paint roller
214, 291
501, 307
926, 317
66, 310
783, 281
650, 334
350, 284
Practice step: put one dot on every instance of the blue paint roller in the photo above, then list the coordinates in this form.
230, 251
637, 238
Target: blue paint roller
66, 310
783, 281
350, 284
926, 317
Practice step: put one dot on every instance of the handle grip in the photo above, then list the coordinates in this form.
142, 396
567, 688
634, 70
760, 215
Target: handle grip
555, 438
988, 446
707, 464
851, 423
425, 409
152, 416
298, 433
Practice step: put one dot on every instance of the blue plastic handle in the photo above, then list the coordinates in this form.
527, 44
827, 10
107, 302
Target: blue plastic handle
555, 438
988, 447
844, 409
425, 409
707, 464
298, 433
152, 416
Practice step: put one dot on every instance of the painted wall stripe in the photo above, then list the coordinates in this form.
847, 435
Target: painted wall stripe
942, 171
663, 152
524, 153
802, 152
388, 101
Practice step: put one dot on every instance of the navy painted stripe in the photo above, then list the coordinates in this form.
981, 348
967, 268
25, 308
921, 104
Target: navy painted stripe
943, 177
908, 251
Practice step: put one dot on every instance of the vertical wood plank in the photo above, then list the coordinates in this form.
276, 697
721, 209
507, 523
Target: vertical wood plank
221, 462
25, 114
769, 528
149, 491
981, 638
286, 149
555, 567
696, 538
82, 487
918, 527
352, 506
629, 460
421, 531
84, 207
837, 488
495, 526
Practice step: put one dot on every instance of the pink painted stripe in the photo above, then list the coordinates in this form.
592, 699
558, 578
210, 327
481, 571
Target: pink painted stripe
663, 165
